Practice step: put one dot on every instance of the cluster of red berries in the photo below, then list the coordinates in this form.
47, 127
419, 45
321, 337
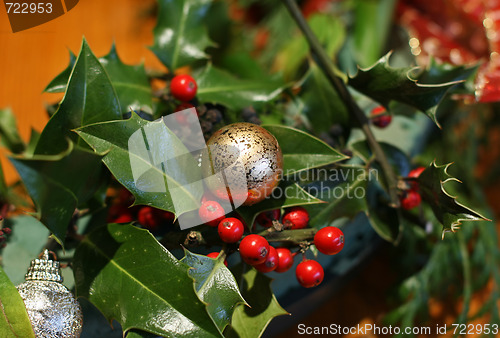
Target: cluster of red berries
380, 118
411, 197
256, 251
149, 218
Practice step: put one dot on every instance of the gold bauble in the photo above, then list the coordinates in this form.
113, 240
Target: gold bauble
51, 307
251, 160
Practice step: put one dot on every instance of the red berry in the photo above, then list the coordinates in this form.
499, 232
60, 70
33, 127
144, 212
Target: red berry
230, 230
168, 216
125, 218
211, 213
115, 211
415, 173
296, 218
271, 262
183, 106
214, 255
7, 231
285, 259
309, 273
380, 118
411, 200
183, 87
254, 249
149, 218
329, 240
266, 218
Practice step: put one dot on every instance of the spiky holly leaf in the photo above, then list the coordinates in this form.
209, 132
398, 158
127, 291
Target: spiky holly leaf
446, 208
218, 86
422, 89
130, 82
180, 37
215, 286
89, 98
58, 184
148, 145
251, 321
132, 278
58, 84
14, 321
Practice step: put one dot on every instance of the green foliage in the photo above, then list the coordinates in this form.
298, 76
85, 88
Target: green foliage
180, 38
447, 210
89, 98
14, 321
120, 283
263, 306
218, 86
9, 136
384, 83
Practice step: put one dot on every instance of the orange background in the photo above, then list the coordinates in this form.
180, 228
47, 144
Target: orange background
30, 59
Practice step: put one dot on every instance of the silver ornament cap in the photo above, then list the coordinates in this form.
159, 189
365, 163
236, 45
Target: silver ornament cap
52, 309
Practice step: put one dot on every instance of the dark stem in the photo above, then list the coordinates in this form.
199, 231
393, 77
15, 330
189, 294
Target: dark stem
326, 65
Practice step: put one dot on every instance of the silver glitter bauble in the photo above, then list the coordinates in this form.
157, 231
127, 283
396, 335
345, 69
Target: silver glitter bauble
252, 159
51, 307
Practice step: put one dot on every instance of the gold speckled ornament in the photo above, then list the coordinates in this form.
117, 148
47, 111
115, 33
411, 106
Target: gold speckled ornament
51, 307
253, 157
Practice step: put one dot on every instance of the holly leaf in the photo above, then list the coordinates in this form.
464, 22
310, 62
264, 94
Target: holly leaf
343, 190
251, 321
218, 86
384, 83
215, 286
130, 82
302, 151
449, 212
9, 135
58, 84
286, 194
89, 98
3, 186
180, 37
14, 320
132, 278
322, 104
120, 144
58, 184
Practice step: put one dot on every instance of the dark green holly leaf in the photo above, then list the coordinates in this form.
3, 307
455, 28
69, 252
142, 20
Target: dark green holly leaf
302, 151
130, 82
3, 185
89, 98
58, 184
149, 186
30, 148
132, 278
383, 83
322, 105
9, 135
343, 189
251, 321
215, 286
58, 84
14, 321
218, 86
285, 195
447, 210
180, 37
